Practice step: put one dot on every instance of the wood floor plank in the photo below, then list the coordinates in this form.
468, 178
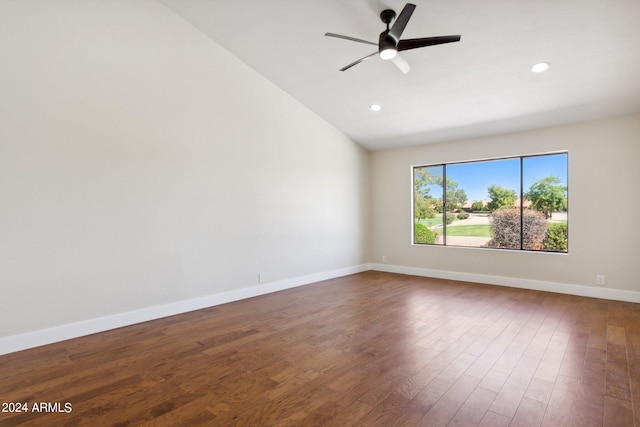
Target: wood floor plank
451, 401
617, 413
493, 419
529, 414
634, 379
474, 408
367, 349
561, 405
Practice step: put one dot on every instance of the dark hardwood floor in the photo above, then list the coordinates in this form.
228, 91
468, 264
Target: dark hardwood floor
372, 349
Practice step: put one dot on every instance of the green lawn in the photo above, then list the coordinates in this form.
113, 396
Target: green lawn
432, 221
479, 230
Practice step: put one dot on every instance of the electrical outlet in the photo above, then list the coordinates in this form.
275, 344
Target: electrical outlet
600, 279
261, 278
384, 259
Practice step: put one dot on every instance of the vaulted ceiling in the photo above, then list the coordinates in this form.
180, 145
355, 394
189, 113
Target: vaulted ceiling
482, 85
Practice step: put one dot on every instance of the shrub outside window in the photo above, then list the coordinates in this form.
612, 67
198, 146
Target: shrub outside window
516, 203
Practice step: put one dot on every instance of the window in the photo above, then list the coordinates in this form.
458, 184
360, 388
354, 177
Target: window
510, 203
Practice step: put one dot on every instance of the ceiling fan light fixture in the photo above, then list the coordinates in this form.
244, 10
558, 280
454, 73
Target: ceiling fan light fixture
540, 67
390, 41
388, 53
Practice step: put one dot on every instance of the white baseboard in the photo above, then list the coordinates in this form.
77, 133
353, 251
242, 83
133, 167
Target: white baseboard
74, 330
536, 285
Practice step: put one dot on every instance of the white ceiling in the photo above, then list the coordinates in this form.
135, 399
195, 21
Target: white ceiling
480, 86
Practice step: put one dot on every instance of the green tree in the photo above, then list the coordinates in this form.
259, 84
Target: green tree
456, 197
423, 208
477, 206
425, 204
501, 197
547, 195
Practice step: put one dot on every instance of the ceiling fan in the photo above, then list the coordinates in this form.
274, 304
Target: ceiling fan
389, 43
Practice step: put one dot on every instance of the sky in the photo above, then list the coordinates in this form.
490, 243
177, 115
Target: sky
474, 178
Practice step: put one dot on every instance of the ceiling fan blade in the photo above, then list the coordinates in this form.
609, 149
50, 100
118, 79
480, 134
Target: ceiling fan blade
425, 41
401, 21
358, 61
401, 63
353, 39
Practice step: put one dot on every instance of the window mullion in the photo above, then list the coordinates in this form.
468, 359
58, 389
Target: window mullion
521, 203
444, 205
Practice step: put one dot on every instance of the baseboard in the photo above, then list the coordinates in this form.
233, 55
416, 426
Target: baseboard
74, 330
87, 327
536, 285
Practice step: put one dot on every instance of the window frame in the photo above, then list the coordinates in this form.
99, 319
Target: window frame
521, 159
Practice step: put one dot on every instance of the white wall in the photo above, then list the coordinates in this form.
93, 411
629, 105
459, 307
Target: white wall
604, 209
141, 164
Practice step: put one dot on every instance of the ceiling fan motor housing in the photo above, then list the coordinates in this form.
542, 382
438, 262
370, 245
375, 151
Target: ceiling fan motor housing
387, 41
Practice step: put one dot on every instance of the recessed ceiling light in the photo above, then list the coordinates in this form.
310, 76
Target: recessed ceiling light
375, 107
540, 67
